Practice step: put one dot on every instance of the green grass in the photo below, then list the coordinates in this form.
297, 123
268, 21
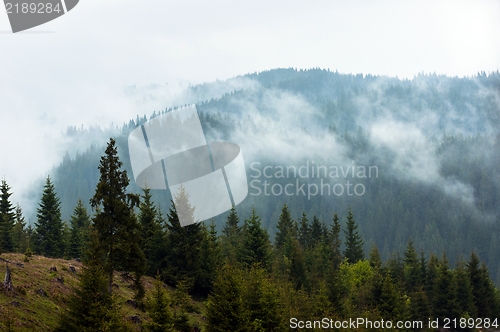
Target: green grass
31, 311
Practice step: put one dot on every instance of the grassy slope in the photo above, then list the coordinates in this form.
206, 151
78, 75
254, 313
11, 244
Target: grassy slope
32, 311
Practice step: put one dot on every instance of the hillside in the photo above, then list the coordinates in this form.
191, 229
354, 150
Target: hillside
433, 139
41, 292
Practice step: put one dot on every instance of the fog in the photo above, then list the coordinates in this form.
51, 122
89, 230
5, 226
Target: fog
105, 63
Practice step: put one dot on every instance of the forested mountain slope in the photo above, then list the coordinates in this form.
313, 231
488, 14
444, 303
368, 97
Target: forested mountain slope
432, 144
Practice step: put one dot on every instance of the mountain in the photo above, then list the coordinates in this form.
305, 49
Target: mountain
413, 158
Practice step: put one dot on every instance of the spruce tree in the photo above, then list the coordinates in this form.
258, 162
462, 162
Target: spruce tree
390, 304
7, 218
335, 242
374, 258
115, 224
353, 241
412, 275
184, 245
483, 291
210, 258
152, 236
91, 307
79, 232
231, 237
19, 232
226, 308
256, 247
159, 309
465, 300
49, 226
444, 299
432, 275
263, 302
231, 227
316, 232
304, 232
298, 270
286, 231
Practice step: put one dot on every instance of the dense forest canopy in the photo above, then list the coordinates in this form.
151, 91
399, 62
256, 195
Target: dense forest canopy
434, 140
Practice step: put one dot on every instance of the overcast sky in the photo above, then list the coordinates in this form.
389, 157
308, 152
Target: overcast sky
73, 70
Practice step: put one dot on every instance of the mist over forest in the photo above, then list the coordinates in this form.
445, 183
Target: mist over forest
434, 141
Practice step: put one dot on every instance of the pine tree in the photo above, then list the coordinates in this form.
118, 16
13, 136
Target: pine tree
353, 242
115, 225
159, 309
7, 218
49, 226
79, 232
256, 246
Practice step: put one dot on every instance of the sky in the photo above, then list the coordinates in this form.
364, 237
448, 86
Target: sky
75, 70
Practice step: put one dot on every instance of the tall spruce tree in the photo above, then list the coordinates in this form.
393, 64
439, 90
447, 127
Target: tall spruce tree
49, 225
115, 224
353, 241
7, 218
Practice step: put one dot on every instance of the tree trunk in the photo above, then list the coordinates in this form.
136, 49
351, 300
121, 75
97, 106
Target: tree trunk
7, 282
